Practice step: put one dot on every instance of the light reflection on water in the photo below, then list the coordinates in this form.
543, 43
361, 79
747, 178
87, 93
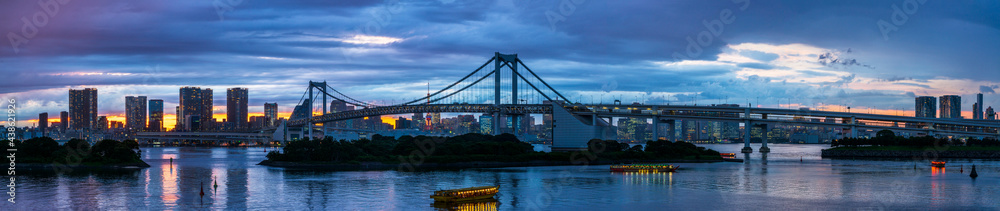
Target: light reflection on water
791, 177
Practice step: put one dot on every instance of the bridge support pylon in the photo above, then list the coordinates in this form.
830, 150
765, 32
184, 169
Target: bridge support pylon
763, 139
746, 132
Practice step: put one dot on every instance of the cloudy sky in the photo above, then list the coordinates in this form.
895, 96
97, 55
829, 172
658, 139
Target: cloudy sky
874, 56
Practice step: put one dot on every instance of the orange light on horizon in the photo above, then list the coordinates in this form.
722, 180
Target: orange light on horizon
389, 120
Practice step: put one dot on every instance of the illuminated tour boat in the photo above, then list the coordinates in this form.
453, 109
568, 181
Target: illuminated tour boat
730, 157
643, 168
937, 163
466, 194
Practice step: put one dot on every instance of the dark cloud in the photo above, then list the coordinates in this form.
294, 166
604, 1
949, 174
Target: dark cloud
987, 89
837, 59
897, 78
285, 44
913, 84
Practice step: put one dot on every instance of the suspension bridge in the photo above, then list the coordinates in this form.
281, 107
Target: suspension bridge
504, 86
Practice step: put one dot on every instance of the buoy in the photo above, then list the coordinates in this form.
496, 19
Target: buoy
961, 169
973, 174
800, 159
171, 161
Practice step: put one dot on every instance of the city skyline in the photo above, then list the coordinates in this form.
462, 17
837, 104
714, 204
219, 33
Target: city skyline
847, 63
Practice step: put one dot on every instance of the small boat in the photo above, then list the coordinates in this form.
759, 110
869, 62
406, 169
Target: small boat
937, 163
466, 194
643, 168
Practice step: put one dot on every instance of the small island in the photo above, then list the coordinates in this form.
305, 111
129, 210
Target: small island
887, 145
44, 153
410, 153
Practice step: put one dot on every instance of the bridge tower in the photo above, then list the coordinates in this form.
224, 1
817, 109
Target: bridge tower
320, 86
499, 61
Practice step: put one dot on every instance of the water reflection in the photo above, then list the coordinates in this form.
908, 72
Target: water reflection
168, 179
937, 186
763, 159
486, 205
785, 181
646, 178
937, 171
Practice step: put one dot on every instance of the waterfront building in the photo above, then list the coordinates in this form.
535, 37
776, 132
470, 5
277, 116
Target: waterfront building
83, 108
135, 112
951, 106
155, 115
236, 107
926, 107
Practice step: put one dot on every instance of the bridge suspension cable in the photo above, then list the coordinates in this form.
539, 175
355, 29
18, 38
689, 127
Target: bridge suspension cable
449, 86
351, 101
508, 80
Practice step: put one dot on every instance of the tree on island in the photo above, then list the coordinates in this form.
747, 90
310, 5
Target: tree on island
47, 150
471, 147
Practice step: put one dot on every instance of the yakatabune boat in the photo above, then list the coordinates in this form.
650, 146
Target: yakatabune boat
643, 168
937, 163
466, 194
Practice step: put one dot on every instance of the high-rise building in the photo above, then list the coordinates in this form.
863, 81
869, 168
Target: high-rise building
155, 115
257, 122
435, 119
236, 107
193, 122
417, 121
977, 108
301, 111
102, 123
632, 129
339, 106
178, 118
926, 107
486, 124
207, 101
63, 120
402, 123
115, 125
83, 108
135, 112
976, 115
197, 102
990, 114
270, 113
951, 106
43, 122
690, 130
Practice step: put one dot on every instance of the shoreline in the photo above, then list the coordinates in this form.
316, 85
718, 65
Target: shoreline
449, 166
81, 166
929, 153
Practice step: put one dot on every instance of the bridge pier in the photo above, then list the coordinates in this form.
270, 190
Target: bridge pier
746, 137
854, 128
763, 136
597, 131
746, 131
763, 141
